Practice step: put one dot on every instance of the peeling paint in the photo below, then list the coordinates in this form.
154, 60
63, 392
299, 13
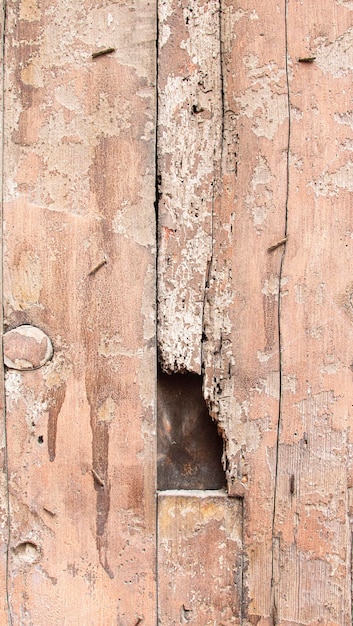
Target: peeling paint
189, 151
336, 57
79, 185
331, 183
260, 102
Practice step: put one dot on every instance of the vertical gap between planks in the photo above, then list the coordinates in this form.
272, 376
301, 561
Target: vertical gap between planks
243, 607
6, 469
156, 207
280, 347
351, 581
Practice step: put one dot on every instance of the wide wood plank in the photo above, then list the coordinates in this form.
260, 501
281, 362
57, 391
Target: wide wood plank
313, 563
218, 302
79, 264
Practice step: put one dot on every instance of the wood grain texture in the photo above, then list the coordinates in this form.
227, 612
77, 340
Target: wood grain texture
235, 334
199, 558
79, 264
189, 144
312, 526
241, 350
4, 500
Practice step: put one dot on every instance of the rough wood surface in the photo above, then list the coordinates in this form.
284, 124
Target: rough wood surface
79, 265
235, 331
312, 529
255, 140
241, 348
199, 558
4, 502
272, 332
189, 144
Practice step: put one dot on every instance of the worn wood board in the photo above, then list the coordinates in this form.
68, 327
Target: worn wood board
230, 315
269, 327
188, 150
254, 234
200, 564
4, 502
79, 264
312, 523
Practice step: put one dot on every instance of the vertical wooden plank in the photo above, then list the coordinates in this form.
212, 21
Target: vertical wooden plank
312, 524
200, 568
189, 144
232, 335
241, 348
79, 262
4, 501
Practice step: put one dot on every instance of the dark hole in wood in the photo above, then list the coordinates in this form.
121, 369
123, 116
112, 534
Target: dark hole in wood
189, 446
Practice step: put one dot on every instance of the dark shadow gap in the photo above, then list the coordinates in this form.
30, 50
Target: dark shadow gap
189, 446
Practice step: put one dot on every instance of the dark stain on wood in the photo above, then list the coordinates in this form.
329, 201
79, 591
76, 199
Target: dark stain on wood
54, 412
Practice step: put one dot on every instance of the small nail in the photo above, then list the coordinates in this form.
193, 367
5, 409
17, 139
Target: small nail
291, 484
97, 478
100, 53
276, 245
97, 267
306, 59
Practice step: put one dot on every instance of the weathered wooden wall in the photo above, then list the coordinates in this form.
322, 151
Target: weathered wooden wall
255, 238
4, 502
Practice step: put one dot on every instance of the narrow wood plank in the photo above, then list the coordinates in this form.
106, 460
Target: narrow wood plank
199, 558
189, 144
241, 350
4, 501
314, 475
80, 240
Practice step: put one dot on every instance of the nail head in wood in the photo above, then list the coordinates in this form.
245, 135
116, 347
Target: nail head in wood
26, 348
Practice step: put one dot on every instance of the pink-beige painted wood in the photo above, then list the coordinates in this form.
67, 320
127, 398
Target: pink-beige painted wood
275, 323
314, 478
197, 533
4, 501
79, 250
255, 243
236, 337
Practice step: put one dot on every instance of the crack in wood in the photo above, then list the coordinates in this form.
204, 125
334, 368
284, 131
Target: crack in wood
6, 467
283, 241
